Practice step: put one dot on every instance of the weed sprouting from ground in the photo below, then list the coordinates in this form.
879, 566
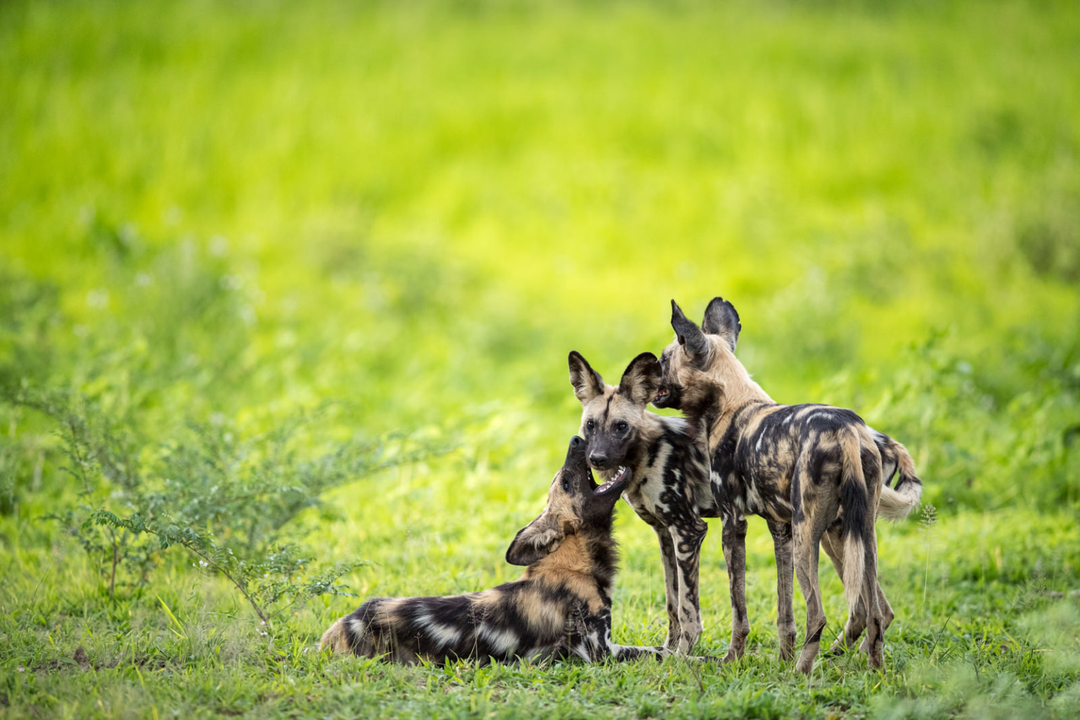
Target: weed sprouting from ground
927, 521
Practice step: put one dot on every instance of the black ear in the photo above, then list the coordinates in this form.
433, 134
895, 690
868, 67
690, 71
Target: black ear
641, 379
722, 319
689, 334
586, 381
535, 541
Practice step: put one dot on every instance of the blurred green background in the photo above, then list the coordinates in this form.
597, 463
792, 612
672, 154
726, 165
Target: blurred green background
231, 213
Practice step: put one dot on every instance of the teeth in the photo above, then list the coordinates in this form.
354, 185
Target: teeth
619, 477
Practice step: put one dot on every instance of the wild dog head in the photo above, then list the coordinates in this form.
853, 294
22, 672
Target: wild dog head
576, 504
612, 418
699, 360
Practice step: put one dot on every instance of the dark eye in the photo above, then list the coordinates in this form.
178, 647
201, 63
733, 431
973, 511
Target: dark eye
565, 484
589, 425
622, 426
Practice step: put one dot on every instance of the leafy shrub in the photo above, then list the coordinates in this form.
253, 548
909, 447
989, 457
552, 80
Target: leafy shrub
228, 501
142, 476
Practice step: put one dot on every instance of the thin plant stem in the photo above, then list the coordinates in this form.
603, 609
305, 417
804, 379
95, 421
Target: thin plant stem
926, 574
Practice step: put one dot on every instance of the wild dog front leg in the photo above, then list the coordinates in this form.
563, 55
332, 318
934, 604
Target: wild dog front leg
671, 585
688, 534
785, 587
591, 640
622, 653
734, 540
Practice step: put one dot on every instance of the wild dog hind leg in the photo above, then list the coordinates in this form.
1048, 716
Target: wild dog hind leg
811, 515
856, 623
875, 631
733, 538
833, 543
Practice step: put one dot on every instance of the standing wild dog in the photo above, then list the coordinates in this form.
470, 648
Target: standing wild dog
663, 463
814, 472
561, 607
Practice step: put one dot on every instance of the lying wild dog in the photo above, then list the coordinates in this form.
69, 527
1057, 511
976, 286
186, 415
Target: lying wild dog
817, 474
664, 465
561, 607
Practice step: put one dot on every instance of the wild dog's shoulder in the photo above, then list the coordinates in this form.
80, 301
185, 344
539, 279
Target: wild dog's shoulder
674, 465
736, 440
676, 444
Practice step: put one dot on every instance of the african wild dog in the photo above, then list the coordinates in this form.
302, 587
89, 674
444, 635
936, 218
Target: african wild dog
814, 472
663, 462
561, 607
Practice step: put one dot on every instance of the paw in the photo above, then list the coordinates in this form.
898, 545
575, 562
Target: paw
732, 655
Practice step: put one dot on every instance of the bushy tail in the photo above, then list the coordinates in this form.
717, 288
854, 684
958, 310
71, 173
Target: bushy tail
854, 501
336, 638
896, 502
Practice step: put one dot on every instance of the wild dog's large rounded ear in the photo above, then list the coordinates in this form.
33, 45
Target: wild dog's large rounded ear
586, 381
535, 541
722, 319
641, 379
689, 334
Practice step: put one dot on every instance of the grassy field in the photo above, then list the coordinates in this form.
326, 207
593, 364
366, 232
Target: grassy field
286, 294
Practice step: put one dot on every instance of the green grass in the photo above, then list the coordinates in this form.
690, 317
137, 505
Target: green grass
399, 218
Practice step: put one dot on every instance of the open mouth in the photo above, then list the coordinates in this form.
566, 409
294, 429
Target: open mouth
661, 395
616, 484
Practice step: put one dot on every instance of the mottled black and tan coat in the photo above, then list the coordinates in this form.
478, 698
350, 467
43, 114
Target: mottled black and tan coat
561, 607
666, 471
817, 474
